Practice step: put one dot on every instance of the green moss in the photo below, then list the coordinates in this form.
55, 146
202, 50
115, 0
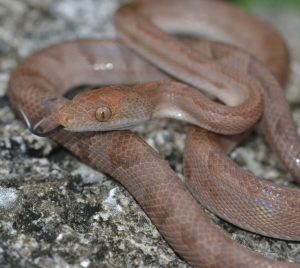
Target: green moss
274, 4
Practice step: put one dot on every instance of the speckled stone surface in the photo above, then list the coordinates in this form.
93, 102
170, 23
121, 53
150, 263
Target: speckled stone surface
57, 212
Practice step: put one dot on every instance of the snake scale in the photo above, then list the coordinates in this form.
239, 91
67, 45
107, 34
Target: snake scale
154, 75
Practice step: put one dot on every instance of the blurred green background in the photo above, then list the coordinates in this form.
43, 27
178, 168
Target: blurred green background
273, 4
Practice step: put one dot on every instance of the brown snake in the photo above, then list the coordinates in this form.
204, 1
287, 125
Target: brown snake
233, 76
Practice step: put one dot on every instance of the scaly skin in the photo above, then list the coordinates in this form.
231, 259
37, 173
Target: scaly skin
51, 72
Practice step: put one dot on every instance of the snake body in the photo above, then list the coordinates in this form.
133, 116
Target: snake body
223, 70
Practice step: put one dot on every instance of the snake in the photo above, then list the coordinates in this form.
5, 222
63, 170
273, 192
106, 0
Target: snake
164, 53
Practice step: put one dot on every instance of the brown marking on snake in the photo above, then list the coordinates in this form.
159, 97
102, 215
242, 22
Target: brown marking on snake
154, 185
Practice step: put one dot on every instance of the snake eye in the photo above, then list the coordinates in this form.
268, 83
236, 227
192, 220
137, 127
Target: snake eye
103, 113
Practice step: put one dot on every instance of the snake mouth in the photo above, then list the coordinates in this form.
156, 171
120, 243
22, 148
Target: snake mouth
43, 128
38, 130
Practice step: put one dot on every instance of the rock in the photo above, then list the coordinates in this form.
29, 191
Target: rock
58, 212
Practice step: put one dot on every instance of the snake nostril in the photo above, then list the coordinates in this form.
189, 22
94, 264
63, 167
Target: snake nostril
65, 120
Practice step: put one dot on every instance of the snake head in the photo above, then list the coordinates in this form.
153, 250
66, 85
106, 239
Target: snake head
111, 108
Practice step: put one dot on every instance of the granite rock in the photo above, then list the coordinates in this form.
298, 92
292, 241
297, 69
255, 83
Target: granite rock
58, 212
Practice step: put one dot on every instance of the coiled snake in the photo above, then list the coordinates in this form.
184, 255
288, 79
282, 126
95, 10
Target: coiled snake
250, 86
